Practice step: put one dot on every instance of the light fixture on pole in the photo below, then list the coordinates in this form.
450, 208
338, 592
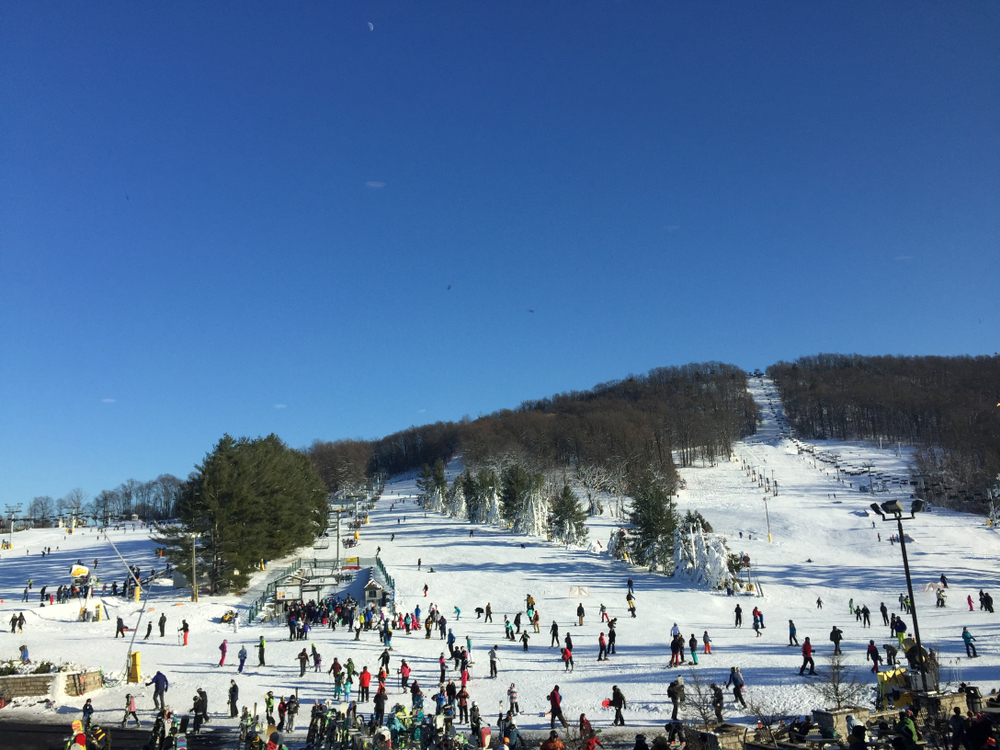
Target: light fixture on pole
895, 509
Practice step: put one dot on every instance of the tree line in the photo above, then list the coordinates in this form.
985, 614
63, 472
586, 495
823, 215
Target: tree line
152, 500
613, 433
949, 407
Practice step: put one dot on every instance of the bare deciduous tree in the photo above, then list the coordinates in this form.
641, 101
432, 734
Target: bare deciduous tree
840, 687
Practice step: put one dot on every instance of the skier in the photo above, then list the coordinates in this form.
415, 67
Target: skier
602, 648
792, 640
970, 602
555, 708
524, 639
260, 652
819, 602
242, 656
739, 616
223, 649
493, 661
163, 624
120, 628
885, 612
579, 614
489, 613
130, 710
185, 629
618, 700
149, 629
554, 632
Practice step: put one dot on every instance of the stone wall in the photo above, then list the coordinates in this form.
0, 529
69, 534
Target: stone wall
33, 685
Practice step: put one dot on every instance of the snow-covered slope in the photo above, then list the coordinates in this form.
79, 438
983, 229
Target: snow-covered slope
823, 545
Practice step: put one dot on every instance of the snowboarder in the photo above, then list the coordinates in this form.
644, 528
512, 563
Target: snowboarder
579, 615
792, 640
739, 616
968, 638
120, 628
260, 652
493, 661
553, 631
242, 655
223, 649
524, 639
707, 643
163, 624
819, 602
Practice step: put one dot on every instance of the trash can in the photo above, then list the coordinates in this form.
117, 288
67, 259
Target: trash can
974, 699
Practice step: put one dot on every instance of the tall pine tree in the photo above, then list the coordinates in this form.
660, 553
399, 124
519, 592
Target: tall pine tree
249, 500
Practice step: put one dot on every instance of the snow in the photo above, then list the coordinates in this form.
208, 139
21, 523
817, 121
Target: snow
823, 545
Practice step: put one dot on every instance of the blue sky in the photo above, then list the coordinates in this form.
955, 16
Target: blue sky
245, 217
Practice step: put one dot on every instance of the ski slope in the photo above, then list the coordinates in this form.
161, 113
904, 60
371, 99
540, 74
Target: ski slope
823, 545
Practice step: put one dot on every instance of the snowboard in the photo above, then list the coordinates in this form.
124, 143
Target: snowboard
606, 703
185, 720
484, 737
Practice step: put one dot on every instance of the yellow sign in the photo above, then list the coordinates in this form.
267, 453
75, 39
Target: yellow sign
134, 673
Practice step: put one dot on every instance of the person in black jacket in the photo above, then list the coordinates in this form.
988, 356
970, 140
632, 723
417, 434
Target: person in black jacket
618, 701
234, 699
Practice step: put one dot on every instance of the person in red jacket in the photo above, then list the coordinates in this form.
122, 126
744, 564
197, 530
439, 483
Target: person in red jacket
807, 657
364, 680
873, 656
555, 708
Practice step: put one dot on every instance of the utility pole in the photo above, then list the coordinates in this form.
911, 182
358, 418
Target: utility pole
194, 572
768, 517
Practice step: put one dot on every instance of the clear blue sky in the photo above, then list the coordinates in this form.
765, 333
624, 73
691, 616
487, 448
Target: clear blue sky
244, 217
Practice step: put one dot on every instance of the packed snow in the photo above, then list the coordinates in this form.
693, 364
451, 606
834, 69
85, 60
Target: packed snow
823, 544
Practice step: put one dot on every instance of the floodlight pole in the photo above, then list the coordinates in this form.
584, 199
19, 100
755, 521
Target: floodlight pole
913, 602
921, 665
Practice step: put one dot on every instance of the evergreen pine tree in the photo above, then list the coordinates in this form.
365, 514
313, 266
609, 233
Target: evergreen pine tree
568, 521
654, 520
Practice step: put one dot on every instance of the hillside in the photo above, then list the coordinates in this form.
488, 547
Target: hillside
823, 545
